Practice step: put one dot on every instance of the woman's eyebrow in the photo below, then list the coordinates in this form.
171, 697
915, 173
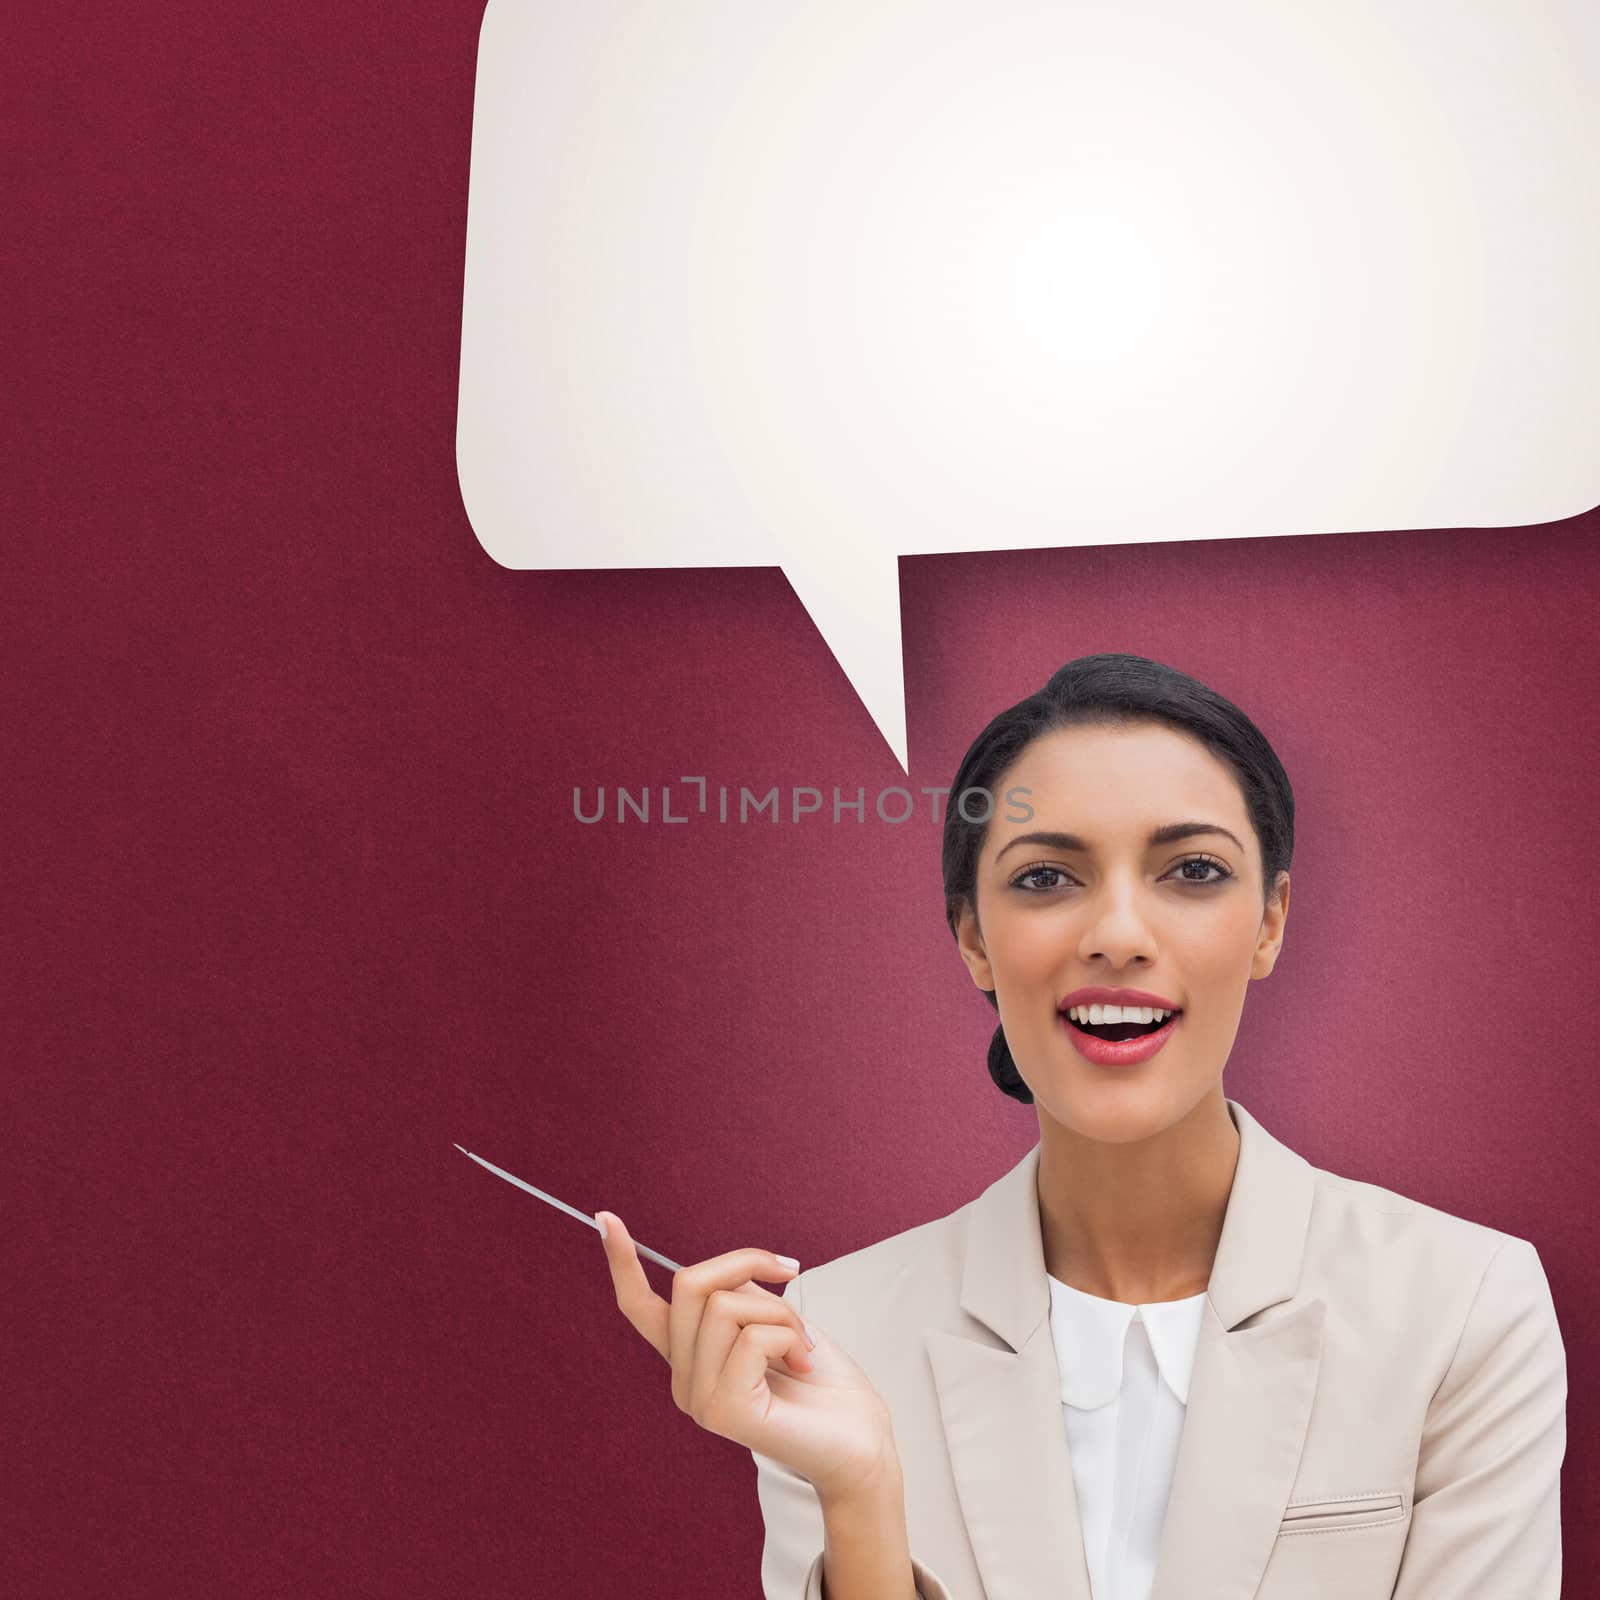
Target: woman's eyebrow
1170, 834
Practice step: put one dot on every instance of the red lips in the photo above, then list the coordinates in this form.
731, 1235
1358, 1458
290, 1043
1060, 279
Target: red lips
1118, 1052
1116, 997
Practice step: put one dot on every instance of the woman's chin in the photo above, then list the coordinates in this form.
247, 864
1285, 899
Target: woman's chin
1114, 1111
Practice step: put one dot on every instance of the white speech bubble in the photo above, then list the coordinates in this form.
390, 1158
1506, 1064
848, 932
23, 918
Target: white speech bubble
821, 285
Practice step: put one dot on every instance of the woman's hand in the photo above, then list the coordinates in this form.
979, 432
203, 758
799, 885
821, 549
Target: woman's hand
742, 1369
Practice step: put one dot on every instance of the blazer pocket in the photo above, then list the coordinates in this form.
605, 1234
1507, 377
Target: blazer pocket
1338, 1512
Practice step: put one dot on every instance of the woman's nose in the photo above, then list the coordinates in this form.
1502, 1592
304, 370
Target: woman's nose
1117, 930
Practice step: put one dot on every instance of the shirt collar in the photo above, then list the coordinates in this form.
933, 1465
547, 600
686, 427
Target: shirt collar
1090, 1335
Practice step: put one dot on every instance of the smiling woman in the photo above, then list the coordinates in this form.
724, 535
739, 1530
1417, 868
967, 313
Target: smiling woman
1163, 1348
1142, 787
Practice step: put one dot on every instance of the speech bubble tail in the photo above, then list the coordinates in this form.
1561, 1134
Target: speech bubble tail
855, 602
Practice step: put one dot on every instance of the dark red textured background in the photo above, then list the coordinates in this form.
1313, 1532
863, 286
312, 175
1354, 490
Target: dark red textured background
293, 897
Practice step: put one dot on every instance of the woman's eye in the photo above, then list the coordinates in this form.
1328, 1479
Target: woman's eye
1028, 879
1203, 862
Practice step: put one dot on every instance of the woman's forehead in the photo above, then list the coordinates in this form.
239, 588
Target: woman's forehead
1091, 765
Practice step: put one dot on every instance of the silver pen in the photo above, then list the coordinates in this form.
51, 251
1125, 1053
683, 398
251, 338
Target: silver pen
571, 1211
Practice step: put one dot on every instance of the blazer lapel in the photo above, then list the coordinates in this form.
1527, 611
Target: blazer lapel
1255, 1373
1249, 1403
1002, 1423
1000, 1404
1249, 1393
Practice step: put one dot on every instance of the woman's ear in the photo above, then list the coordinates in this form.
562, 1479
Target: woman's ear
969, 937
1270, 939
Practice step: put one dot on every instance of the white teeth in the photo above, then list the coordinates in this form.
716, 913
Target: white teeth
1095, 1015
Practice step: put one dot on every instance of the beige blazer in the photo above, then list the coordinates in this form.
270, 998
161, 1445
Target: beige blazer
1377, 1408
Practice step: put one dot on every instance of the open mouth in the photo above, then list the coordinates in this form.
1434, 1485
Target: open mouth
1117, 1031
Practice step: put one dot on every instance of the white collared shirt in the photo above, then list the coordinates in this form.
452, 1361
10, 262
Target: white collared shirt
1124, 1392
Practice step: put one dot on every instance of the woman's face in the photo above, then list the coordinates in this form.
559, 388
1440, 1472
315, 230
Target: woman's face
1077, 896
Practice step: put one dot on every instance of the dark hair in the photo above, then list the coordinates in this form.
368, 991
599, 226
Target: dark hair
1109, 690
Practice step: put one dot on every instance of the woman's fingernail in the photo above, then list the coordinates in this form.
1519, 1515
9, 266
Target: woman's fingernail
600, 1223
789, 1262
811, 1338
